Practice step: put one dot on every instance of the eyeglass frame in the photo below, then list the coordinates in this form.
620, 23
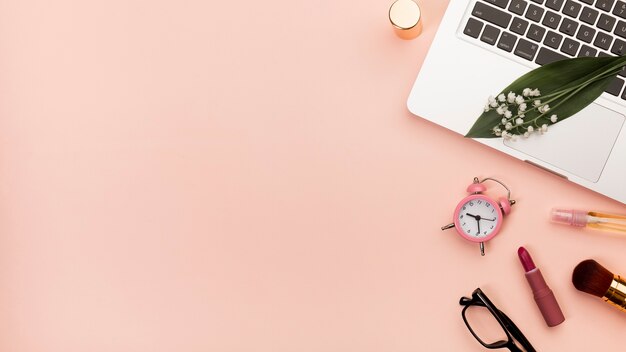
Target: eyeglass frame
513, 333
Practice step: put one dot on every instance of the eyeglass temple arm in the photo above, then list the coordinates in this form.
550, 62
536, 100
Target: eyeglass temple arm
517, 334
513, 348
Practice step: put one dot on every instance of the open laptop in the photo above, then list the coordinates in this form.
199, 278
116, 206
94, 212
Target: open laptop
484, 45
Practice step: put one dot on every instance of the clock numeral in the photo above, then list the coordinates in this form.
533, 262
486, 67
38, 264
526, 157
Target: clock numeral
464, 207
468, 231
488, 205
479, 202
484, 233
493, 210
461, 216
491, 227
471, 204
463, 224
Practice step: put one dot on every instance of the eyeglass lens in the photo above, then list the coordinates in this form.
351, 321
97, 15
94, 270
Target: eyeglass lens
484, 324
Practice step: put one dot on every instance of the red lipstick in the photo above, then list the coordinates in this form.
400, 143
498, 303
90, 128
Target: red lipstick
544, 297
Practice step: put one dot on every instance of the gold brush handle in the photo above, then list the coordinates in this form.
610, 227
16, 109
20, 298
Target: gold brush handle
616, 294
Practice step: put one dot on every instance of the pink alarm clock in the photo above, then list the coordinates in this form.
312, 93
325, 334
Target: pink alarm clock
477, 217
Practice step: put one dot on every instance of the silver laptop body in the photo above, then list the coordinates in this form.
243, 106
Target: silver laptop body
483, 45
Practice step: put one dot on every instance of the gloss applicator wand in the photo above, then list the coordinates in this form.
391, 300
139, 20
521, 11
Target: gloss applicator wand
544, 297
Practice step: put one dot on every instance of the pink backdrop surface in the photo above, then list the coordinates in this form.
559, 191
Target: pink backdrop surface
244, 176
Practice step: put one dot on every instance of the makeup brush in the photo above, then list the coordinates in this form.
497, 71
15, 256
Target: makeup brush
594, 279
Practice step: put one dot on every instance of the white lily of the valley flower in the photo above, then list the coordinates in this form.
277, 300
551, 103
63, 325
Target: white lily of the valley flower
508, 114
526, 92
519, 99
522, 107
537, 102
492, 101
519, 121
530, 129
510, 98
553, 119
501, 98
508, 126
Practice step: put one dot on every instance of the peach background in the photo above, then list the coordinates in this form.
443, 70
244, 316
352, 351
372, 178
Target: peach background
244, 176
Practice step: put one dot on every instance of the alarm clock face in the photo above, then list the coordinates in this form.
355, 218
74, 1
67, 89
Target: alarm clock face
478, 218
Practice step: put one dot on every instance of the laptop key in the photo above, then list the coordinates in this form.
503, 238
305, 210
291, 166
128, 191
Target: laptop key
491, 14
587, 51
606, 22
615, 87
568, 26
553, 40
619, 47
490, 35
499, 3
572, 8
536, 33
538, 1
473, 28
547, 56
603, 41
620, 29
518, 7
507, 41
589, 15
570, 46
555, 4
590, 2
620, 9
526, 49
519, 25
586, 33
551, 20
534, 13
605, 5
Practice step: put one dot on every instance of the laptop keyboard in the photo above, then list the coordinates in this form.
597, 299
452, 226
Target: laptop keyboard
544, 31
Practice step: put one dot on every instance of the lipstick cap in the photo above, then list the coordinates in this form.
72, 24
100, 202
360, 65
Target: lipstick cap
406, 18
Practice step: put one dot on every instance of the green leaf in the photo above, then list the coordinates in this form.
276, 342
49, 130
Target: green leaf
555, 77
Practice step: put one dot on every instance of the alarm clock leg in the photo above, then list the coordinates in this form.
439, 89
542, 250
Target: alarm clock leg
482, 249
449, 226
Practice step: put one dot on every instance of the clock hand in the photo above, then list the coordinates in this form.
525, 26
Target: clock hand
472, 215
494, 219
478, 222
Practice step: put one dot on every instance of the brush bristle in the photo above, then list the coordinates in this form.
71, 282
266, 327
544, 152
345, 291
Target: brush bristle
591, 277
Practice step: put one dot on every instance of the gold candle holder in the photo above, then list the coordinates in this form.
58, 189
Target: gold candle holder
406, 18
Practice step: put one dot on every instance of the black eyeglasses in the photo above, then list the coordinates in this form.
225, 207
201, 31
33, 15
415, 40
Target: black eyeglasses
474, 313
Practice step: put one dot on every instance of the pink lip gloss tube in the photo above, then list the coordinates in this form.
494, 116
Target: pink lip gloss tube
544, 297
